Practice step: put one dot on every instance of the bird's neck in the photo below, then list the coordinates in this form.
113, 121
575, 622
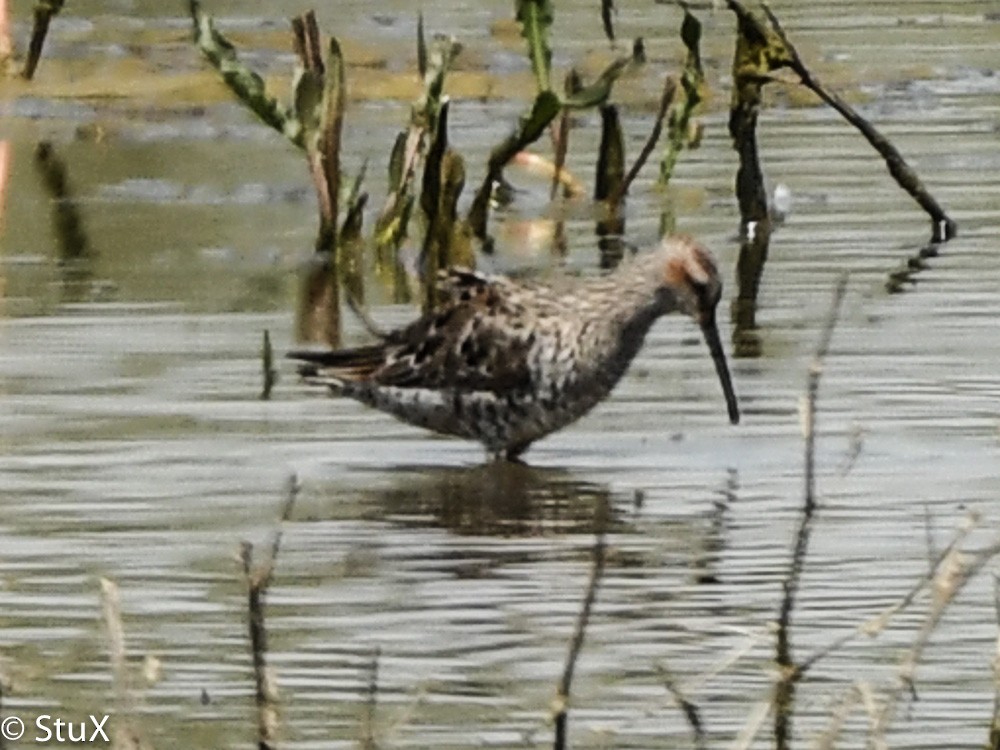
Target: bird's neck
631, 296
628, 306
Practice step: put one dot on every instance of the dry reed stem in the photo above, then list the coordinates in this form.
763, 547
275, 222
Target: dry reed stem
929, 539
560, 132
258, 580
728, 660
752, 726
3, 684
269, 375
827, 740
391, 729
955, 571
869, 701
66, 218
124, 735
854, 450
875, 625
5, 162
560, 705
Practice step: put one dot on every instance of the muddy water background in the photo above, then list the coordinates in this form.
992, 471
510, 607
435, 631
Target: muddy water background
134, 445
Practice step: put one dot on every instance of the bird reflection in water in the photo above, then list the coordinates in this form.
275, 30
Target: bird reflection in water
502, 499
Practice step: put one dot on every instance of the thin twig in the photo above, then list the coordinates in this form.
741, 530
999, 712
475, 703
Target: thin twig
561, 703
124, 733
785, 689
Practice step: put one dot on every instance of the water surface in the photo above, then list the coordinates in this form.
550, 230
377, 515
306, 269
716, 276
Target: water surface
135, 446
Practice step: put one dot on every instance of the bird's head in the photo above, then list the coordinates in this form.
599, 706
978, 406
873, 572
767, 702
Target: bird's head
691, 278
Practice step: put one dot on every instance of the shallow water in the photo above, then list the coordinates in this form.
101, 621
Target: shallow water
135, 446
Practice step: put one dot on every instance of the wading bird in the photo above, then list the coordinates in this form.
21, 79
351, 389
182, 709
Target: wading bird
507, 362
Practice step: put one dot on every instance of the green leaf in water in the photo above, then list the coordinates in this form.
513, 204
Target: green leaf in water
691, 82
396, 164
598, 92
535, 17
243, 82
544, 109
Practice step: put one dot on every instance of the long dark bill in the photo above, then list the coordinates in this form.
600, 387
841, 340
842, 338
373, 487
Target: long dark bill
711, 333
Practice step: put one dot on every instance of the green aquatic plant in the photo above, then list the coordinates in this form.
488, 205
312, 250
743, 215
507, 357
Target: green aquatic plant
692, 79
409, 149
248, 86
535, 18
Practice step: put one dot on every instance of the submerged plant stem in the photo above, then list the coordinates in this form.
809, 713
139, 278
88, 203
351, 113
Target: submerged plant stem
45, 11
944, 227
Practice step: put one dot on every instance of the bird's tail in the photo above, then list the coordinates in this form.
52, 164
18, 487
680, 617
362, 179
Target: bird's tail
334, 368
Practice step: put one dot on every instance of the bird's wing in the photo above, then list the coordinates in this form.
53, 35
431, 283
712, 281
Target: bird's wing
478, 339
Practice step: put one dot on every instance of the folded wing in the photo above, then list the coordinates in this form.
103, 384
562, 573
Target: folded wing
478, 339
